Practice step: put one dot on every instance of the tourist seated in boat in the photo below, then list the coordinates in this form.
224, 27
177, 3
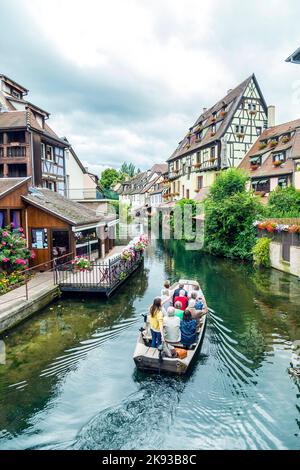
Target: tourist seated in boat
188, 328
171, 326
182, 297
166, 289
177, 292
179, 310
156, 323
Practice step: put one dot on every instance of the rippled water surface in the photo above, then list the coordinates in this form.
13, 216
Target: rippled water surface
69, 381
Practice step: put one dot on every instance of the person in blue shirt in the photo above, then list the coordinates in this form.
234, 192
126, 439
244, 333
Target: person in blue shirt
188, 327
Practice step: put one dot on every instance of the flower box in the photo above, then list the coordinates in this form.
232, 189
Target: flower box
240, 135
197, 190
197, 165
176, 194
262, 146
212, 134
252, 112
254, 166
285, 139
223, 113
273, 143
277, 163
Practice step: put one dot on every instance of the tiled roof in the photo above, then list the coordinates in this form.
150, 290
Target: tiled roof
61, 207
160, 168
10, 184
230, 101
267, 168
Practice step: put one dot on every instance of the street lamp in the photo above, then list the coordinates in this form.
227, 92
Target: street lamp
295, 57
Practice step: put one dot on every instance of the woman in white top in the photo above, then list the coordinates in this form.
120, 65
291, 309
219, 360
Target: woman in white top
171, 326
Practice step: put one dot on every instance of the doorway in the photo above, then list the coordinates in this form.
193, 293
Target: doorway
60, 243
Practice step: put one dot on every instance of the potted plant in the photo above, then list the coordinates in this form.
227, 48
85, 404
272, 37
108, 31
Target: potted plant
273, 143
197, 165
126, 255
222, 113
81, 263
285, 139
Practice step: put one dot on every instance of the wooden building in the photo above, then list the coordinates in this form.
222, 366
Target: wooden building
54, 225
28, 145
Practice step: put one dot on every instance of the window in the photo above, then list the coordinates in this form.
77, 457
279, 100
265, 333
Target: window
198, 157
39, 238
15, 94
212, 152
16, 152
283, 182
49, 185
49, 152
198, 135
182, 190
251, 106
17, 171
240, 129
258, 130
2, 219
200, 182
261, 185
15, 218
286, 246
188, 194
279, 157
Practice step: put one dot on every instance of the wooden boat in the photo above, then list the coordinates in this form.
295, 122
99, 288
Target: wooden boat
153, 359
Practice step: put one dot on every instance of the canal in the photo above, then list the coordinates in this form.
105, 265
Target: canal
67, 380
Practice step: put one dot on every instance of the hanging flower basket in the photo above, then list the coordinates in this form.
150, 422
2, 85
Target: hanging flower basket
273, 143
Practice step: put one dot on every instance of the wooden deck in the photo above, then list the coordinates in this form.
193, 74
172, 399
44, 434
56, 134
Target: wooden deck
103, 277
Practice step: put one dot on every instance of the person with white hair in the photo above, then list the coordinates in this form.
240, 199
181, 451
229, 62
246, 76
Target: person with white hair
182, 297
171, 326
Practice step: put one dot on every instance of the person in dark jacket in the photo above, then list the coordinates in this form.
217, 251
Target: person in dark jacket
188, 328
177, 291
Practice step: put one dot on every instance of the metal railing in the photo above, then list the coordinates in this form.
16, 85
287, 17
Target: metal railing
100, 276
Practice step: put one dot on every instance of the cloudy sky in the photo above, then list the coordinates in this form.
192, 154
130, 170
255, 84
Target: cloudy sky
124, 79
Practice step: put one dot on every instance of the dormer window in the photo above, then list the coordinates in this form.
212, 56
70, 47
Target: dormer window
198, 135
15, 94
279, 157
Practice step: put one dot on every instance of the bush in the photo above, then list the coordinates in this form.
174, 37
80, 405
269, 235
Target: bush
229, 215
284, 202
261, 252
14, 254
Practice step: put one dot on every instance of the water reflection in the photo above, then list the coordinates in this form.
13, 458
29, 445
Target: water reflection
69, 380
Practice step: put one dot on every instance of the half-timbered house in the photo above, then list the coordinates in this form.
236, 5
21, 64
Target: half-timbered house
274, 159
219, 139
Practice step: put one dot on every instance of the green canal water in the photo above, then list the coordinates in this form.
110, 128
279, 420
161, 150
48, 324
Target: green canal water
69, 381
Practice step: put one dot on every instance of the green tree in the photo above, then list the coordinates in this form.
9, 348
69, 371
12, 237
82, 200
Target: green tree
109, 177
230, 211
284, 202
128, 169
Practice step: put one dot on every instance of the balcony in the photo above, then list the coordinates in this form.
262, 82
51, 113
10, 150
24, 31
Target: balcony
13, 151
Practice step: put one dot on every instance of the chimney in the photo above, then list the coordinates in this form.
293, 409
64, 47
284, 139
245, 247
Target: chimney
204, 110
229, 91
271, 116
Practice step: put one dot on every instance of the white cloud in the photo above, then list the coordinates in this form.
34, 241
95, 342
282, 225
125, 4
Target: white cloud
125, 79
